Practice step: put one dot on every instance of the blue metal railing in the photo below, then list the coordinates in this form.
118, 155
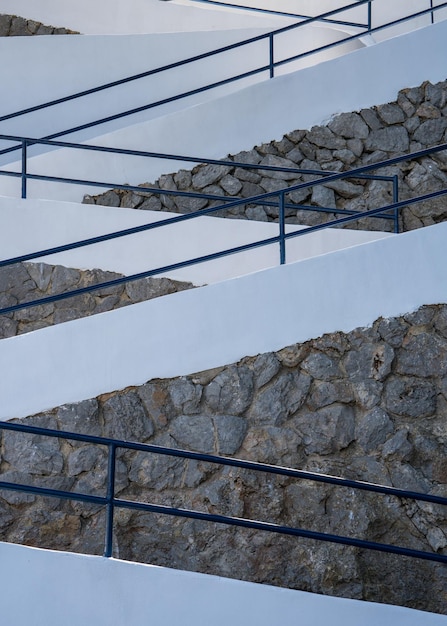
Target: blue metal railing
112, 502
268, 67
244, 7
281, 239
261, 10
28, 141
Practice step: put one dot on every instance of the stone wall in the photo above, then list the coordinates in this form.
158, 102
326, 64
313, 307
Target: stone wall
25, 282
416, 120
14, 26
370, 405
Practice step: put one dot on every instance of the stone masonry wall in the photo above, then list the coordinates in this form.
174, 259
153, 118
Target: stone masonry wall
415, 121
370, 404
14, 26
25, 282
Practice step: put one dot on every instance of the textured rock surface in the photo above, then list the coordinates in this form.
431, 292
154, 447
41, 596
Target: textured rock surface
14, 26
370, 405
26, 282
418, 119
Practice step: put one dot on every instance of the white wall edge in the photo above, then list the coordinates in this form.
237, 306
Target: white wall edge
31, 225
75, 590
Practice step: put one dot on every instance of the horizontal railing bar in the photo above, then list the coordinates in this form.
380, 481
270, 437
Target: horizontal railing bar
275, 12
175, 64
282, 530
143, 190
9, 173
319, 209
178, 157
224, 519
220, 460
53, 493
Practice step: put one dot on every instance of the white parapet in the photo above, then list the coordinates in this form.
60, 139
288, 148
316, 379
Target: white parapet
203, 328
46, 588
27, 226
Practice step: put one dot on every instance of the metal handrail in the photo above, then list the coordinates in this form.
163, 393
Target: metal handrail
280, 239
28, 141
175, 64
276, 12
111, 502
269, 67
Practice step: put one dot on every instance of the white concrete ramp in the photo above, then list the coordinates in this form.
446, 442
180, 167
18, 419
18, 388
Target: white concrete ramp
28, 226
46, 588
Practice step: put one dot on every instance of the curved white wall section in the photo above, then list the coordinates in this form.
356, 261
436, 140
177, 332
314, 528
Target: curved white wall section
74, 590
361, 79
132, 16
383, 11
199, 329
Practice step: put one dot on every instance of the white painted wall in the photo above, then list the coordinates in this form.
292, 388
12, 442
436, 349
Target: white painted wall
195, 330
237, 121
45, 588
32, 225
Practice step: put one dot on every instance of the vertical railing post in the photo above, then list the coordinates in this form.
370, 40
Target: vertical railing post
108, 544
24, 164
432, 13
395, 200
271, 56
282, 230
369, 15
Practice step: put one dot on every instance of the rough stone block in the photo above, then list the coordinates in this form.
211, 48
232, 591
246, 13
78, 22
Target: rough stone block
389, 139
350, 126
